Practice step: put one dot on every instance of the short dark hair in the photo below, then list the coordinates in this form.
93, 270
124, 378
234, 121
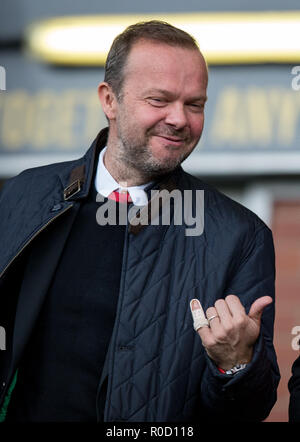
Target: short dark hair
153, 30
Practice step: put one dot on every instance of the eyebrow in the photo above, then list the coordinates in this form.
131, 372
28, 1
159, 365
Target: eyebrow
170, 94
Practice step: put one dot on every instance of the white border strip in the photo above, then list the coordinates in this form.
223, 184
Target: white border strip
243, 163
11, 165
221, 164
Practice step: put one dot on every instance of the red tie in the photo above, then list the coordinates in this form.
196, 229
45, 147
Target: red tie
120, 197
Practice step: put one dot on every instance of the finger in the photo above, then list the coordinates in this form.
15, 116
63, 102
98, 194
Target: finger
212, 316
198, 314
235, 306
258, 306
223, 311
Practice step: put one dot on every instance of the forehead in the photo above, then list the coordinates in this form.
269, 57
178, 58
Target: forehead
155, 62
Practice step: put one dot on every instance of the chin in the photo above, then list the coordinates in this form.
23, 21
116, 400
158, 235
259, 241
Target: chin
167, 153
160, 167
170, 158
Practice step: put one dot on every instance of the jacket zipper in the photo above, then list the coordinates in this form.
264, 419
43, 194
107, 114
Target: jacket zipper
32, 238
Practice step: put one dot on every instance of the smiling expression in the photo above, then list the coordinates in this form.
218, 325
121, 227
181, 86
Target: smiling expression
158, 120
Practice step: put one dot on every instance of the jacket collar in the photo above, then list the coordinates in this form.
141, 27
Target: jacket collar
76, 177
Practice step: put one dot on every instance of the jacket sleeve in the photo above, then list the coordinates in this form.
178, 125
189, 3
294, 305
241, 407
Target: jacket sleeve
294, 389
250, 394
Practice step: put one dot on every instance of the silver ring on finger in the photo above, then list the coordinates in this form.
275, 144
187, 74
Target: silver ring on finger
212, 317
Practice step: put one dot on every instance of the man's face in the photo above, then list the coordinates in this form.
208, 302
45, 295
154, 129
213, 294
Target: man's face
160, 115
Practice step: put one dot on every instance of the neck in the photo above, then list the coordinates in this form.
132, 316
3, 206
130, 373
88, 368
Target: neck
125, 175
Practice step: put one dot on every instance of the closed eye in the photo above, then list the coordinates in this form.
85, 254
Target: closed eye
156, 101
198, 107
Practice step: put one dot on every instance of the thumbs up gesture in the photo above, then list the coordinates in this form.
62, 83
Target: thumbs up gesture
227, 332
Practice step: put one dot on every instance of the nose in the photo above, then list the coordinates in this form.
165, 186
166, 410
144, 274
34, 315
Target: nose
176, 116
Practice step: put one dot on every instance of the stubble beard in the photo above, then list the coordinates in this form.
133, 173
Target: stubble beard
135, 154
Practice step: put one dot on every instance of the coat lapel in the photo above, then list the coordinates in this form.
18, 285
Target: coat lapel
76, 181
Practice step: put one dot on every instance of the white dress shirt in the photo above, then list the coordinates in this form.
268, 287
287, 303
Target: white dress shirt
105, 184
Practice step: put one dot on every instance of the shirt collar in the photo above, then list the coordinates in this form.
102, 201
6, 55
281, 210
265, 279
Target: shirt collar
105, 184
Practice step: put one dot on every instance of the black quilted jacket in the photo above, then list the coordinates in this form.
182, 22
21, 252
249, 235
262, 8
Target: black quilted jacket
294, 389
157, 367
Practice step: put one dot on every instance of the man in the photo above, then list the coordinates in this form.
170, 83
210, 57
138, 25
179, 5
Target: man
98, 316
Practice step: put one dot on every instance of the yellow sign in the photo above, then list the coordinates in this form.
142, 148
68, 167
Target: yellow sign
68, 120
256, 117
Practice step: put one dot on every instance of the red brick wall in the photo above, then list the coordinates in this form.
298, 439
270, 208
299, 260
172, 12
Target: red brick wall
286, 231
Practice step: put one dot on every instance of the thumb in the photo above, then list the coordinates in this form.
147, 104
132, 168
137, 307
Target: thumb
258, 306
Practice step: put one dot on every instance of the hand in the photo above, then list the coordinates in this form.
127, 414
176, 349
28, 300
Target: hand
230, 334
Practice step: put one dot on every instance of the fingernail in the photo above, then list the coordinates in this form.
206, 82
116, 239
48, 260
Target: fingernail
194, 304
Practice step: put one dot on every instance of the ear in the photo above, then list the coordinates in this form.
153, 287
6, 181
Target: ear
108, 100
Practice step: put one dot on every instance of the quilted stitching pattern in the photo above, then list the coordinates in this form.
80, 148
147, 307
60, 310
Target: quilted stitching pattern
159, 377
158, 368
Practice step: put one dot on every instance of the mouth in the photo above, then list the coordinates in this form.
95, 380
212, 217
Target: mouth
172, 140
